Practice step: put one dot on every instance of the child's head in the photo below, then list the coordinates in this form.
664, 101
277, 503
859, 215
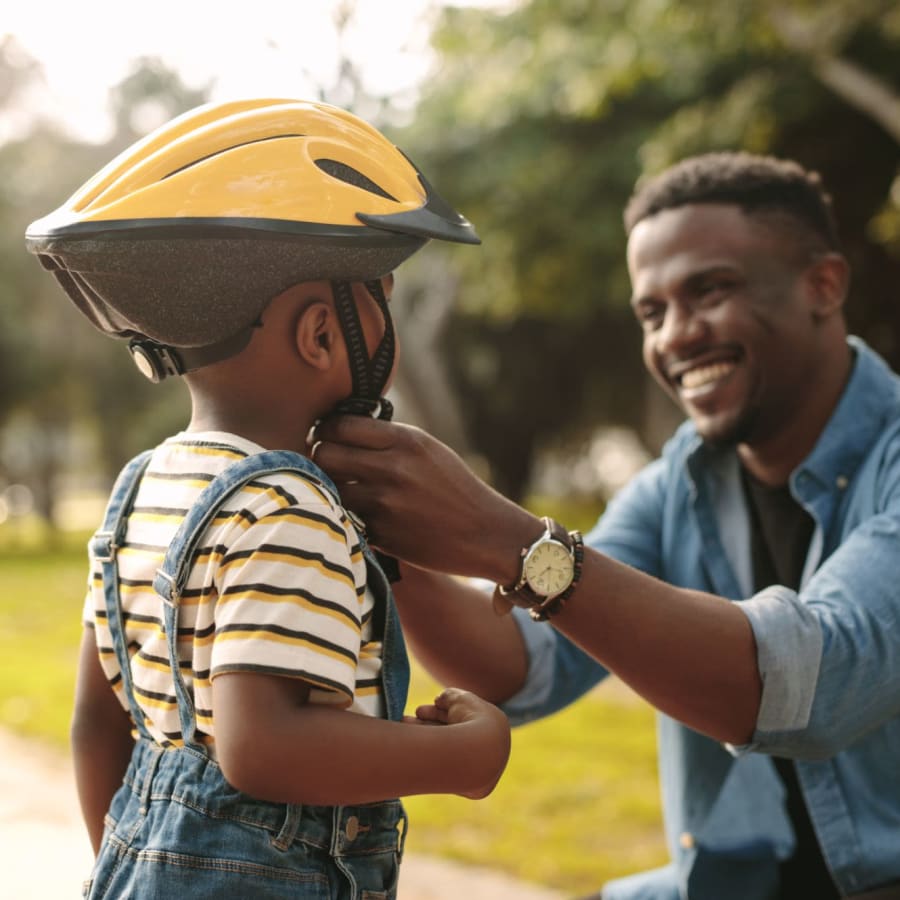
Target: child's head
180, 243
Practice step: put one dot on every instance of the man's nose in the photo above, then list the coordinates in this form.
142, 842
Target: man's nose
681, 328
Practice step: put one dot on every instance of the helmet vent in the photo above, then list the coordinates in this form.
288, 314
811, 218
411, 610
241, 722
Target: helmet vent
349, 175
201, 159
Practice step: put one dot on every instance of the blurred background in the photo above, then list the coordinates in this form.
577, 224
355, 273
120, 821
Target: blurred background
533, 117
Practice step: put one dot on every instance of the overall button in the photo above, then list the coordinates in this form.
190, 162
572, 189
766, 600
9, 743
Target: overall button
351, 829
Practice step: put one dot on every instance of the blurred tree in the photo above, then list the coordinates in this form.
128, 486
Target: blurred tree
538, 122
60, 379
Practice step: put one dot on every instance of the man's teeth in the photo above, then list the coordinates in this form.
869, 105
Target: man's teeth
703, 375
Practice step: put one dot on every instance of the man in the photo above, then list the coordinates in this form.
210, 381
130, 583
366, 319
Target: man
747, 583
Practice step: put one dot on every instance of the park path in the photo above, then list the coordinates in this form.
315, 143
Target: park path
45, 854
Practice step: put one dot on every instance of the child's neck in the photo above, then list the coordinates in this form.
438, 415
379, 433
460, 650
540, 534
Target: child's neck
272, 431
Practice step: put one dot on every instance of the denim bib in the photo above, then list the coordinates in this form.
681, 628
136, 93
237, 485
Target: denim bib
176, 828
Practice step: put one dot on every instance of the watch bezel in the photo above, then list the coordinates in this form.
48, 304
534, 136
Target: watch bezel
543, 541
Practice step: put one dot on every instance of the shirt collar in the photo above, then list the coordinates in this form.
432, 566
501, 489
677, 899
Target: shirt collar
871, 396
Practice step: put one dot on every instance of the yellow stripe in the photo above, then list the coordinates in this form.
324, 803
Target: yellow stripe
269, 636
205, 640
153, 702
294, 561
297, 600
199, 450
368, 691
270, 492
315, 489
143, 663
314, 524
155, 555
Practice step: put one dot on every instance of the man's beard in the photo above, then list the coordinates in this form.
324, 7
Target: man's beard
742, 431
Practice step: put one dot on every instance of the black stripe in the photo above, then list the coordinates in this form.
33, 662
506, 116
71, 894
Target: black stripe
181, 476
136, 582
294, 553
313, 677
150, 657
268, 589
291, 633
156, 695
161, 510
300, 513
277, 488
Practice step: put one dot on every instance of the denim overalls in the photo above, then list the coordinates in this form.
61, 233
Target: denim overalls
176, 830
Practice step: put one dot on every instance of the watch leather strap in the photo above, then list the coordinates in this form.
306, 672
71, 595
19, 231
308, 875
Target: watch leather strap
520, 594
522, 590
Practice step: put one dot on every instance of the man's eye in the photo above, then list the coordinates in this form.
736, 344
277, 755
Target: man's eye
714, 289
650, 316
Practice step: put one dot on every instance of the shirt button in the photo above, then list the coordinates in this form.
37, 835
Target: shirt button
351, 829
841, 481
686, 839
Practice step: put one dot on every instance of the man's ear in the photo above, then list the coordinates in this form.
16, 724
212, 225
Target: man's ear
317, 335
828, 280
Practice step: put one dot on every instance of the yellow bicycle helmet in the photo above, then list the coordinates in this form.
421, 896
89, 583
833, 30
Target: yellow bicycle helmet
180, 242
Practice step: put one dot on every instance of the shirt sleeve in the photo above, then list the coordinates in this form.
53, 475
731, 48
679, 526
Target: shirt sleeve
829, 656
290, 599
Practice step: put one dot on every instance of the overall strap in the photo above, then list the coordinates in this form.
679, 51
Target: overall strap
104, 545
172, 576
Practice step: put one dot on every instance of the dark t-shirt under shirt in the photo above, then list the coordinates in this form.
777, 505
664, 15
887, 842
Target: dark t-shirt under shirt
780, 534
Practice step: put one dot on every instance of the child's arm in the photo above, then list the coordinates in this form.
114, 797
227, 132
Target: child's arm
100, 737
275, 746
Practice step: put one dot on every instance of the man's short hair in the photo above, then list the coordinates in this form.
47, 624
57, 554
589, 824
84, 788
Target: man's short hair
756, 184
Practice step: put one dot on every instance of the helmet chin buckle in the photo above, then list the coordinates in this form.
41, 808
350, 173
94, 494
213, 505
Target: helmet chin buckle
155, 361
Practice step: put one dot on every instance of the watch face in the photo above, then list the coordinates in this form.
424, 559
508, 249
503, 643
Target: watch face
549, 568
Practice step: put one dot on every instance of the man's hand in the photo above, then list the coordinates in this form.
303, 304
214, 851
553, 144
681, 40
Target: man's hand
489, 729
420, 501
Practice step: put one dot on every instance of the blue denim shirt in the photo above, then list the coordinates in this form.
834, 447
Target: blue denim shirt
829, 656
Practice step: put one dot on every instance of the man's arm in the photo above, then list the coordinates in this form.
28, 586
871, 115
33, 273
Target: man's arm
100, 738
454, 632
692, 655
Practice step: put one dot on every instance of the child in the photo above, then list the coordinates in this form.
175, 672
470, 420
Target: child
235, 612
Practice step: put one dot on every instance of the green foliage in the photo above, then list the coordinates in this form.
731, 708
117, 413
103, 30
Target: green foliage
40, 627
580, 790
572, 103
59, 375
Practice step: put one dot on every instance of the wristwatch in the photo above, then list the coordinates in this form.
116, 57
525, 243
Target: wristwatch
550, 570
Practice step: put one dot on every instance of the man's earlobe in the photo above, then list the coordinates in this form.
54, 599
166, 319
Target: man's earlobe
829, 281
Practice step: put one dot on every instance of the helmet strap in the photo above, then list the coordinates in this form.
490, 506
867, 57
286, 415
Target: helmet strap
369, 376
157, 361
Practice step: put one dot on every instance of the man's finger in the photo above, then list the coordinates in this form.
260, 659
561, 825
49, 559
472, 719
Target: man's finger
356, 431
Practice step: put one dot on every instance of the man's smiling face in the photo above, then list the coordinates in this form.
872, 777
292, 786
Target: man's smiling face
729, 331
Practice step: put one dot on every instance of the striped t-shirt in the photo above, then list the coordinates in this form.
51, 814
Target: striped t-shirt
278, 586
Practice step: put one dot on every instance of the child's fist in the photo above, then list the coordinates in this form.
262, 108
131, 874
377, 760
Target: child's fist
486, 732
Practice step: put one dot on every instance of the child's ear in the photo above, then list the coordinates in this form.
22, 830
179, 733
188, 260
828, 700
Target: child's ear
317, 335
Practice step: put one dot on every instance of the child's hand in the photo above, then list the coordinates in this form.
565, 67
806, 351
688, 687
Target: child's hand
487, 736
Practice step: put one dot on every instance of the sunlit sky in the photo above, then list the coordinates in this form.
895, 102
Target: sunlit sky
281, 47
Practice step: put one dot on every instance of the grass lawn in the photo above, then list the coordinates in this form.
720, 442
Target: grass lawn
578, 803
